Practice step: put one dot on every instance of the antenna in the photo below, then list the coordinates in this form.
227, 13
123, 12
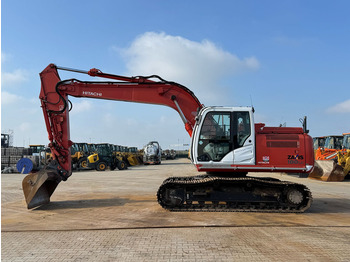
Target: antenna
251, 103
284, 124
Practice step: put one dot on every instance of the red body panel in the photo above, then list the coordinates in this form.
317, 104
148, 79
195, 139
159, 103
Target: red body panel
277, 149
284, 148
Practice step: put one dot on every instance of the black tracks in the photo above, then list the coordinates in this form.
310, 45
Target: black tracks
231, 194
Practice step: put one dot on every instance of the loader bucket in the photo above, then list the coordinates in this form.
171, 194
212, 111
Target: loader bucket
327, 170
133, 161
38, 187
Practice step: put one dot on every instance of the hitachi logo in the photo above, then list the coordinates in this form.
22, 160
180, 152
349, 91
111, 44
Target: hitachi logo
88, 93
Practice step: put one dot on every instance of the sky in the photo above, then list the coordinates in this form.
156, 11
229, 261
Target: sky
289, 59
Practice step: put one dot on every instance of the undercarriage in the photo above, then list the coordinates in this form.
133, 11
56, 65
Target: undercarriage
233, 194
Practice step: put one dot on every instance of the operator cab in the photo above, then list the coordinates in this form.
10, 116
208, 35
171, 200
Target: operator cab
224, 136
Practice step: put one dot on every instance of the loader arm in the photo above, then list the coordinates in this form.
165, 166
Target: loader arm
55, 105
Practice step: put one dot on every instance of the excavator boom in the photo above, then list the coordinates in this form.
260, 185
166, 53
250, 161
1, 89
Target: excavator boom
54, 94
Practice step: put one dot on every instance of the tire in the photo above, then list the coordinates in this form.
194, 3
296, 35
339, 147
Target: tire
101, 166
83, 163
112, 167
122, 165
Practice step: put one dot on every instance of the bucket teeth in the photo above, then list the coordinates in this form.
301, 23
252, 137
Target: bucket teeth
38, 187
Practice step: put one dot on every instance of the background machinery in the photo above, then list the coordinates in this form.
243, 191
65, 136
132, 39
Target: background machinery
152, 153
330, 148
132, 156
80, 153
169, 153
104, 157
318, 142
344, 155
5, 140
331, 159
36, 157
127, 154
225, 143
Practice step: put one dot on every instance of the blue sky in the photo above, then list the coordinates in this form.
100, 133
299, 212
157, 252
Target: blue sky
288, 58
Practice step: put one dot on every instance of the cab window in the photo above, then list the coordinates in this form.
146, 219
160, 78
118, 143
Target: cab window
222, 132
215, 137
242, 128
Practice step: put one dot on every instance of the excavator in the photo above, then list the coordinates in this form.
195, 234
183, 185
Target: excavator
225, 143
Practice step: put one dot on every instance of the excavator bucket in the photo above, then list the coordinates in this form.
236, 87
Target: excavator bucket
38, 187
327, 170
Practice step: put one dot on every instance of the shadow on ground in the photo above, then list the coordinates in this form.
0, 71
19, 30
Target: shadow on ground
330, 205
77, 204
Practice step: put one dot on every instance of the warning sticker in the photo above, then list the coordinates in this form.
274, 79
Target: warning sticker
266, 159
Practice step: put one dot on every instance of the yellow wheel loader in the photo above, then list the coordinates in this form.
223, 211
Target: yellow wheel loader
80, 153
132, 156
333, 161
105, 157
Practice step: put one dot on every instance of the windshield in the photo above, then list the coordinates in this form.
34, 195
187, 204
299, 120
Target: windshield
103, 149
333, 142
346, 142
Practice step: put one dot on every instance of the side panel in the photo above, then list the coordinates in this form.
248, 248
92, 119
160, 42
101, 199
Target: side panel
244, 155
309, 151
281, 150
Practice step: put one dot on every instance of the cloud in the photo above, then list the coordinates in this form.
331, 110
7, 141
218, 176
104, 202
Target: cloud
343, 107
5, 57
109, 120
81, 107
198, 65
13, 78
25, 126
8, 98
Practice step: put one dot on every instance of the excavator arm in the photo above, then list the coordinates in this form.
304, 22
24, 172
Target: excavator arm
38, 187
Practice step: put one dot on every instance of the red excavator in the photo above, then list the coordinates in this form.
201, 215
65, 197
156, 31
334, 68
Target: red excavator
226, 144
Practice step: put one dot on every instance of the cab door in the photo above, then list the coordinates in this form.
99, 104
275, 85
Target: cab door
243, 138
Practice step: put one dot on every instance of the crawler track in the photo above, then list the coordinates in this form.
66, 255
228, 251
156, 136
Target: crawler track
230, 194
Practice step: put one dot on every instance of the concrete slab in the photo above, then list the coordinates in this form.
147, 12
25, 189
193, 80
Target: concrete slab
180, 244
127, 199
114, 216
